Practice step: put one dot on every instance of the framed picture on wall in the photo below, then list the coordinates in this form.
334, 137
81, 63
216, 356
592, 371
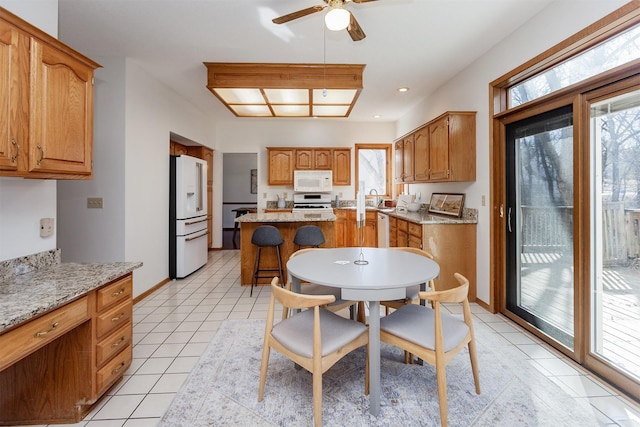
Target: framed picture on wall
447, 204
254, 181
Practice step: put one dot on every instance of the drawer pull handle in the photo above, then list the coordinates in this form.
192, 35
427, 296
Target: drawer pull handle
115, 319
116, 370
115, 294
42, 333
117, 343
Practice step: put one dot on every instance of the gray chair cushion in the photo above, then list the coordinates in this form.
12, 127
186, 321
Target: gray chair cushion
415, 323
296, 332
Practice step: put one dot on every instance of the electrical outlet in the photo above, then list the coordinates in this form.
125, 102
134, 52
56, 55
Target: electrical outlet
46, 227
284, 195
264, 195
340, 194
94, 202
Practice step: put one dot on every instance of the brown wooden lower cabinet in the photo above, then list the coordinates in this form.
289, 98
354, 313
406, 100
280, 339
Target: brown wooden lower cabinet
54, 367
453, 247
347, 232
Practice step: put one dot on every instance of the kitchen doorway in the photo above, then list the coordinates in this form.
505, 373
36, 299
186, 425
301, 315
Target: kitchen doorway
239, 190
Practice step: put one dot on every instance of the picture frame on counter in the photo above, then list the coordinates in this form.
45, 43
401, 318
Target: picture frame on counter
450, 204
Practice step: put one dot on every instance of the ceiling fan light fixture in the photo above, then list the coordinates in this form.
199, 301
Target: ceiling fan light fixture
337, 19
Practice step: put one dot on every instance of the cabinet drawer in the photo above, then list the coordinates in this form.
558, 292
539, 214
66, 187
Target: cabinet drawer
415, 229
113, 370
114, 318
115, 292
403, 225
24, 340
113, 343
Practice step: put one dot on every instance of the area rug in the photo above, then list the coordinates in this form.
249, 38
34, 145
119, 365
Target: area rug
222, 389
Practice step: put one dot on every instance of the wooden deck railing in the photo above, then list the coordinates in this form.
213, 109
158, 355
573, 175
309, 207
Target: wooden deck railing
550, 229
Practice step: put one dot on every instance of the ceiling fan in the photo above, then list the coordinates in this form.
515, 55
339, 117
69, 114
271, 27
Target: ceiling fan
337, 18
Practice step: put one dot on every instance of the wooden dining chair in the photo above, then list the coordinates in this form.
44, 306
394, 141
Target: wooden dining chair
315, 289
314, 338
420, 330
412, 292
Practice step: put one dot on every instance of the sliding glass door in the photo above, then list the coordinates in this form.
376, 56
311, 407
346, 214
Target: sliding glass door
539, 222
614, 129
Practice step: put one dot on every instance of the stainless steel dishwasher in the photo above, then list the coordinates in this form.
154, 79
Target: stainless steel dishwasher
383, 230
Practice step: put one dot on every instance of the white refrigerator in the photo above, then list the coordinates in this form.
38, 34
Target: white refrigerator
187, 215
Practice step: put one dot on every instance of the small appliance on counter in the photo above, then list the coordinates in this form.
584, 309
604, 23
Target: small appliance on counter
187, 215
402, 205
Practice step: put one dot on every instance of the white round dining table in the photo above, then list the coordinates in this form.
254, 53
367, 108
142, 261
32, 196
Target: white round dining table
386, 276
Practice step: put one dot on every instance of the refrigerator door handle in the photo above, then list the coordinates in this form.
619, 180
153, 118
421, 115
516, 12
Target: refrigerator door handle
195, 222
196, 237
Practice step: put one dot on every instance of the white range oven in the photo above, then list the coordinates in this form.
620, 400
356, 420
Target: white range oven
312, 202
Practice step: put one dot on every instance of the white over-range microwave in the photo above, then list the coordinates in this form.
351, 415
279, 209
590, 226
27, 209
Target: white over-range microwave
313, 181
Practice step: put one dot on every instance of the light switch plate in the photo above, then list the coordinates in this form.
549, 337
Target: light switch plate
46, 227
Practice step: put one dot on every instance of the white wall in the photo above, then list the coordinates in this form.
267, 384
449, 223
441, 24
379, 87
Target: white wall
97, 235
469, 91
24, 202
152, 112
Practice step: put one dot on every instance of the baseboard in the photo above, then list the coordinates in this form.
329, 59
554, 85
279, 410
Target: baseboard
150, 291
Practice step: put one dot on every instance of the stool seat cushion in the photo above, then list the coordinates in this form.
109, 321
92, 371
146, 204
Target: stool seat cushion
309, 235
266, 235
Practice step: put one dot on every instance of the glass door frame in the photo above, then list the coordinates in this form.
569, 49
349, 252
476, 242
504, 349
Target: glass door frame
591, 360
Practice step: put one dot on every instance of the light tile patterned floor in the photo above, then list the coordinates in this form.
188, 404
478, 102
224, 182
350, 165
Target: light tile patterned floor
173, 326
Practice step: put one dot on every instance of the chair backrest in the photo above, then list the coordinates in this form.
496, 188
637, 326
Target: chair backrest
266, 235
295, 300
457, 294
416, 251
309, 235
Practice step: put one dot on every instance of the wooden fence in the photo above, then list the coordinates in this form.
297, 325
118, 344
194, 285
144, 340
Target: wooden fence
550, 229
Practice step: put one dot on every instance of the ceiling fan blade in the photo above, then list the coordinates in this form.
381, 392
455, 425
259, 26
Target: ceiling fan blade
354, 29
299, 14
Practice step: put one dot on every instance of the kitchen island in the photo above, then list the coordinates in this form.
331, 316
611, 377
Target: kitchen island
287, 223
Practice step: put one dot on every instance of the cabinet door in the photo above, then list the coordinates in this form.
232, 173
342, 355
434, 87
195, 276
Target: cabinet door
342, 166
280, 167
14, 85
61, 112
421, 154
322, 159
304, 159
398, 160
371, 229
439, 150
340, 228
407, 158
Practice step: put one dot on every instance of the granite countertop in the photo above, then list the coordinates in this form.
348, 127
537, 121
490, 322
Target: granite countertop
24, 296
286, 217
469, 216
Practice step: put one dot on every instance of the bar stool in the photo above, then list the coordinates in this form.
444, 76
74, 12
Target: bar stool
308, 235
266, 236
239, 212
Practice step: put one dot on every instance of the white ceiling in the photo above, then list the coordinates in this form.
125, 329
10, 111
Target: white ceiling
414, 43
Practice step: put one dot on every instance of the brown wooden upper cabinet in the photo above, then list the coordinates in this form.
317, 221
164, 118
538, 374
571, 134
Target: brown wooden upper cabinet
46, 118
442, 150
283, 161
318, 158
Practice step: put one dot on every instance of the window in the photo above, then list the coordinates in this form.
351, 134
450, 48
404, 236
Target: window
373, 166
615, 51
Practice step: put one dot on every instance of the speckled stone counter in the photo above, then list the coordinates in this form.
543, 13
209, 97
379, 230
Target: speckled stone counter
49, 284
286, 217
469, 216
